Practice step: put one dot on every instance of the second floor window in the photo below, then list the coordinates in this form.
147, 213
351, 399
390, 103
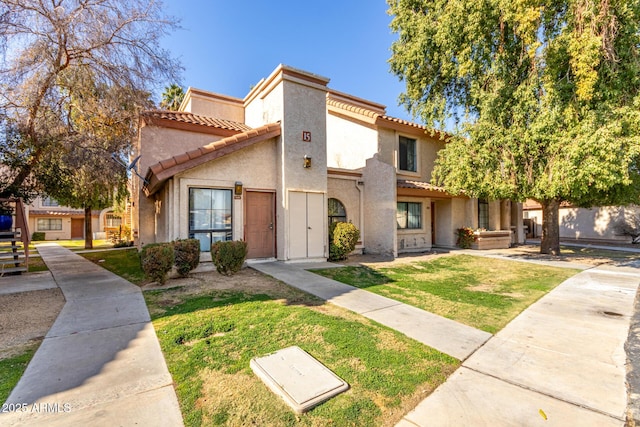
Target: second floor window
407, 158
49, 202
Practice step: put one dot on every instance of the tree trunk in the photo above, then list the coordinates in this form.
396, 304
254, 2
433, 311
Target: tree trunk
550, 227
88, 231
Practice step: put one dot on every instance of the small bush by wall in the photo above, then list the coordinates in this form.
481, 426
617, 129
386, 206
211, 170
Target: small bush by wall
466, 237
343, 237
187, 255
228, 257
157, 260
37, 236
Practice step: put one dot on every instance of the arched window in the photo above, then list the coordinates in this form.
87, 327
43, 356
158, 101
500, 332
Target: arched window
337, 212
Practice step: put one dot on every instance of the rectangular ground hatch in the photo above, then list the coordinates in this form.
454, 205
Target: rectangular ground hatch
302, 381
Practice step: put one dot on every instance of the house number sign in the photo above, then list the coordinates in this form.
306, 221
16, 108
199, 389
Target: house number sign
306, 136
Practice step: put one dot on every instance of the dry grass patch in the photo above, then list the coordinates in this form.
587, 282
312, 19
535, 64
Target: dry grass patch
210, 329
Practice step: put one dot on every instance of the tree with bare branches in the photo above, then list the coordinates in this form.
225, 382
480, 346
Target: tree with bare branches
54, 55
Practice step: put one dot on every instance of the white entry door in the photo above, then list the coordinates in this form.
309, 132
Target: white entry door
306, 225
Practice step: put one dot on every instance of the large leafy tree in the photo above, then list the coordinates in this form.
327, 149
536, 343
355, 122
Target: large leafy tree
48, 50
90, 171
546, 95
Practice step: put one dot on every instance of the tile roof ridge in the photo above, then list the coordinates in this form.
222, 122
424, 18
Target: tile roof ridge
195, 156
197, 119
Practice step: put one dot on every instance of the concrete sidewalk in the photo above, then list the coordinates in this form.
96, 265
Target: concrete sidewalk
561, 362
101, 363
445, 335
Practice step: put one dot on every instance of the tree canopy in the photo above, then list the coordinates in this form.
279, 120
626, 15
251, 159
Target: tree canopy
73, 74
546, 95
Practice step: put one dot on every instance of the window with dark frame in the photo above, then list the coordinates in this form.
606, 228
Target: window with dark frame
49, 202
337, 212
49, 224
483, 214
407, 154
409, 215
210, 216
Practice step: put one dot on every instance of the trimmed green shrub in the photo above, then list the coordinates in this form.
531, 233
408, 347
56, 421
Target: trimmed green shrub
466, 236
228, 257
37, 236
157, 260
187, 255
343, 237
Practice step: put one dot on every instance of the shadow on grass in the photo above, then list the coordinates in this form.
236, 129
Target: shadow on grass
359, 276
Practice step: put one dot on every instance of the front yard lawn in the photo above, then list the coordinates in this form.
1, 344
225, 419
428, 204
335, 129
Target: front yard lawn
209, 338
481, 292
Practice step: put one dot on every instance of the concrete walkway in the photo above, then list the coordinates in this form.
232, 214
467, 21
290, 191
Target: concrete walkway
445, 335
561, 362
100, 364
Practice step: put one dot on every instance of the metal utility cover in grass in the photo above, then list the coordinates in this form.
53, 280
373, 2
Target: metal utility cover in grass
302, 381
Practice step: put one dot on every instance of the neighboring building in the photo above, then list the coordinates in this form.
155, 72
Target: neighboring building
596, 223
276, 167
64, 223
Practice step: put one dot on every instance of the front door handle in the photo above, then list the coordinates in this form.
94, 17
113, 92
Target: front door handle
271, 226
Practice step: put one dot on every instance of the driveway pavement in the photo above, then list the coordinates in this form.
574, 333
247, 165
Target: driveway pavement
100, 364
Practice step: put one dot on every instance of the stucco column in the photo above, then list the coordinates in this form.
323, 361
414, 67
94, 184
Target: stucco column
380, 207
505, 215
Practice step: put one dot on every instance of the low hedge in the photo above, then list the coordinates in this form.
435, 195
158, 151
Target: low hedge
228, 257
187, 255
157, 259
343, 237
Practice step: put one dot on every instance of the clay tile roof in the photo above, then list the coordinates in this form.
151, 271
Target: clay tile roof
68, 212
352, 108
165, 169
194, 119
419, 185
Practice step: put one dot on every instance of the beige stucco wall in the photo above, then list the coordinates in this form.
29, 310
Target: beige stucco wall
159, 144
427, 151
254, 167
452, 214
215, 105
380, 207
416, 240
588, 223
347, 191
349, 143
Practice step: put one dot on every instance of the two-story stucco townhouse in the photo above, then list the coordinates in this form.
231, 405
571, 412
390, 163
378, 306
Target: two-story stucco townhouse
276, 167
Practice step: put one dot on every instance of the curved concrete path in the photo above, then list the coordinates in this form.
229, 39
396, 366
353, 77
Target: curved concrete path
561, 362
101, 363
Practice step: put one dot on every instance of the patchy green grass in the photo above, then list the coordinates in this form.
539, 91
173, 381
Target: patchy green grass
480, 292
125, 263
37, 264
74, 245
209, 339
11, 370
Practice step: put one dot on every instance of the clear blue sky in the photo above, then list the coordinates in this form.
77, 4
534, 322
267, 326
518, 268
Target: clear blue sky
228, 46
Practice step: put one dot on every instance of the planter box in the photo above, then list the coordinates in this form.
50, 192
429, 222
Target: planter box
500, 239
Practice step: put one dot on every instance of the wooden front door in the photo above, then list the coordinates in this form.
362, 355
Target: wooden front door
77, 228
260, 224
